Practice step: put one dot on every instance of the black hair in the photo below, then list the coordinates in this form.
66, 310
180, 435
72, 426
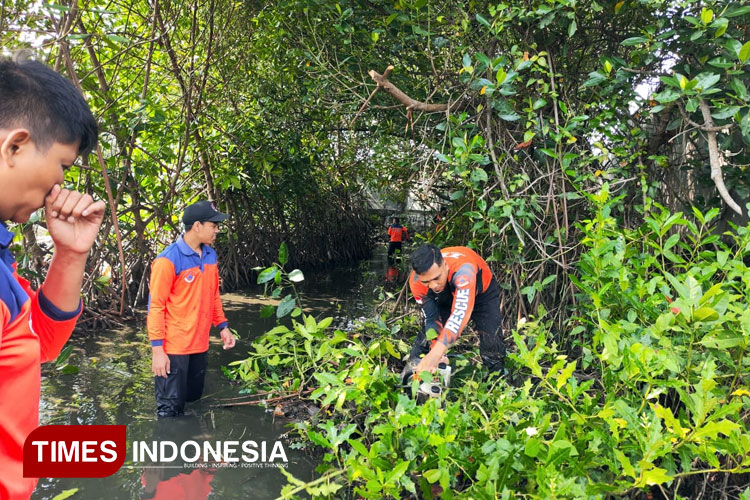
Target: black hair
395, 220
424, 257
34, 96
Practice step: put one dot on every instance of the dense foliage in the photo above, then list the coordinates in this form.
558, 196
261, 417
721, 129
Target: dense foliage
654, 398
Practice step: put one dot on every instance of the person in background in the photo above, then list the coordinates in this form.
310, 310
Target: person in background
184, 301
440, 218
452, 286
396, 234
45, 125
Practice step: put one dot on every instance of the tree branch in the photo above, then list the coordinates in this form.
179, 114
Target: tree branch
411, 104
714, 158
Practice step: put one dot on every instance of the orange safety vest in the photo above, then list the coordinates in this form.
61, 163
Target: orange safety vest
398, 233
468, 276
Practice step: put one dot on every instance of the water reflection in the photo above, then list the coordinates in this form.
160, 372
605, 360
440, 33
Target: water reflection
194, 483
160, 484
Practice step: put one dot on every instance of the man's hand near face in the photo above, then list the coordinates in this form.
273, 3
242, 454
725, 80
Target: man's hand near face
73, 221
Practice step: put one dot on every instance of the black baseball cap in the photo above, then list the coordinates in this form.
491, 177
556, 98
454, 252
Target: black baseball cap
202, 211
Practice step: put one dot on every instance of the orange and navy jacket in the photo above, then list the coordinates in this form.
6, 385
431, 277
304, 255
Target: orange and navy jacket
32, 331
184, 299
397, 232
468, 277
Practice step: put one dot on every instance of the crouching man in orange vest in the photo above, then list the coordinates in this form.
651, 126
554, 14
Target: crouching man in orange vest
452, 286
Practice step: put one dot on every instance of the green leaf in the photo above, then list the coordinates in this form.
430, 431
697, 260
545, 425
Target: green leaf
721, 25
707, 15
722, 341
733, 46
267, 274
286, 306
500, 76
627, 467
548, 152
532, 448
398, 471
744, 52
717, 288
705, 314
478, 175
296, 276
483, 21
672, 241
391, 350
66, 494
484, 61
707, 80
283, 254
683, 82
652, 477
432, 475
745, 126
267, 311
565, 374
595, 78
69, 370
358, 447
667, 95
374, 36
326, 378
318, 439
726, 112
64, 355
741, 11
721, 62
712, 429
572, 27
636, 40
324, 323
118, 38
739, 88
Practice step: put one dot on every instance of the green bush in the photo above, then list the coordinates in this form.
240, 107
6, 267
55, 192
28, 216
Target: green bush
654, 392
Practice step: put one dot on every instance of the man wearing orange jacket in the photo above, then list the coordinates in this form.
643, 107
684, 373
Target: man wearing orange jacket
184, 301
451, 286
396, 234
45, 124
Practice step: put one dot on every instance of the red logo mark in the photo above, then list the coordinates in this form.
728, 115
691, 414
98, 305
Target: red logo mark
74, 451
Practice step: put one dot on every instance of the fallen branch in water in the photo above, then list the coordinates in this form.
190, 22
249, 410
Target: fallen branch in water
258, 399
